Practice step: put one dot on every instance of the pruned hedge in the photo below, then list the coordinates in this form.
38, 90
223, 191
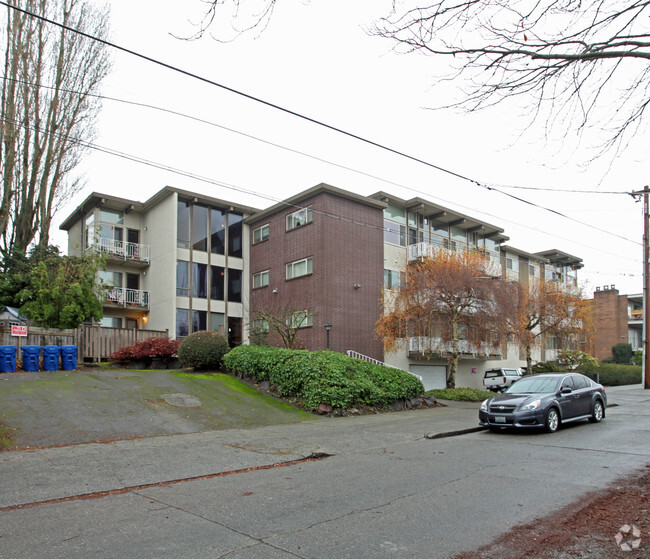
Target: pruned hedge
324, 377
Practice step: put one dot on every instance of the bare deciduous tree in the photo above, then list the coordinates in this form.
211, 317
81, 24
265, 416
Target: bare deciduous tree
576, 60
47, 112
573, 63
544, 308
284, 322
450, 298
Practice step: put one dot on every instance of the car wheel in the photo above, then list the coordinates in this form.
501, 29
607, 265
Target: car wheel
597, 413
552, 420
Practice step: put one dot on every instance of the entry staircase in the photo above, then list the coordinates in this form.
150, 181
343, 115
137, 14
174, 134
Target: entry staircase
357, 355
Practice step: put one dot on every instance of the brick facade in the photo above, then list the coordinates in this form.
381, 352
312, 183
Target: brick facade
345, 240
610, 319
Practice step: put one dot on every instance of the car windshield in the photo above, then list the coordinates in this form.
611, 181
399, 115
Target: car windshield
532, 385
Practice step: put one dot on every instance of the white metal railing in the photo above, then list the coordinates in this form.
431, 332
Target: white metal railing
127, 297
491, 266
358, 355
123, 249
423, 344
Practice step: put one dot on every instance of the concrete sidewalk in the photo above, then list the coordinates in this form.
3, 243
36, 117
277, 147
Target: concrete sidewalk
37, 475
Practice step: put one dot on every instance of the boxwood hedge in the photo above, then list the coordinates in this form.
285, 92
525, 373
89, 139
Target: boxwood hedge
324, 377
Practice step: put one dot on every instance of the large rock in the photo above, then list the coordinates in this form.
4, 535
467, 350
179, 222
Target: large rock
324, 409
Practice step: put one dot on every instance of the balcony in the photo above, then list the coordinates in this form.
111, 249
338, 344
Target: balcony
468, 350
124, 297
122, 250
492, 266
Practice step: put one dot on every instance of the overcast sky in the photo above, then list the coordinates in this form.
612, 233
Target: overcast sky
316, 59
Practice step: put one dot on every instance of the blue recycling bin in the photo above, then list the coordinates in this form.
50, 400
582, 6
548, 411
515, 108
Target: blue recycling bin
51, 357
31, 355
7, 358
68, 357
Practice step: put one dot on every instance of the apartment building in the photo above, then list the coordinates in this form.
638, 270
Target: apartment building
176, 262
618, 319
185, 262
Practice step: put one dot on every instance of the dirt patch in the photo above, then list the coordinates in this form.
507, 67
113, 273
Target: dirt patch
607, 524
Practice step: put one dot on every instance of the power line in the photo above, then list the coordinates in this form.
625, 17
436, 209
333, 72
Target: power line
229, 186
306, 118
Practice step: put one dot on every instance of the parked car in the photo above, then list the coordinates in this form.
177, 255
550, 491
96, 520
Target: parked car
545, 401
499, 379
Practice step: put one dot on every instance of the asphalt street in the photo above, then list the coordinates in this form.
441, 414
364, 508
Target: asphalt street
377, 486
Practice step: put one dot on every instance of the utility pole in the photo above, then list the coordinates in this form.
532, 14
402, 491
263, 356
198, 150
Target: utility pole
646, 290
646, 284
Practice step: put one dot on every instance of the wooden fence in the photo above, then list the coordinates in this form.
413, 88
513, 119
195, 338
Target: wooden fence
94, 343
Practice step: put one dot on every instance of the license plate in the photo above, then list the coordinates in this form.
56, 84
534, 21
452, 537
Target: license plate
499, 419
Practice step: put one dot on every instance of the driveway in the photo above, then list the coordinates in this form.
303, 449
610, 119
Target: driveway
70, 407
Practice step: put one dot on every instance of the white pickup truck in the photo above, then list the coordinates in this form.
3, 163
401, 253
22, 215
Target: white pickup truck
499, 379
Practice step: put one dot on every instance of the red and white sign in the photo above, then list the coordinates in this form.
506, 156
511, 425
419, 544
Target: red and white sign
18, 330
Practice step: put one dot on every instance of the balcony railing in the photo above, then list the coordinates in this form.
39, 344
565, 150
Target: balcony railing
422, 344
428, 250
123, 250
125, 297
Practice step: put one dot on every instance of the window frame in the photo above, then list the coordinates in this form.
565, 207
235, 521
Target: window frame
307, 320
262, 228
262, 276
309, 262
292, 222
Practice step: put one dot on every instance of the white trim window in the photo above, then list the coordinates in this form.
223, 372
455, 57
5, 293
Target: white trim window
299, 218
261, 279
300, 268
261, 233
301, 319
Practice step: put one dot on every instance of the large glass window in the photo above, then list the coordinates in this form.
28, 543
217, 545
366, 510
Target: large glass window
439, 228
392, 279
394, 213
199, 321
182, 323
111, 216
111, 322
216, 283
199, 280
300, 268
299, 218
394, 233
234, 285
183, 224
261, 279
217, 323
182, 278
200, 228
235, 234
217, 231
110, 279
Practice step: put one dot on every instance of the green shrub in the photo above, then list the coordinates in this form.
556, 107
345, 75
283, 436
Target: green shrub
638, 357
612, 374
324, 377
462, 394
622, 354
546, 367
203, 350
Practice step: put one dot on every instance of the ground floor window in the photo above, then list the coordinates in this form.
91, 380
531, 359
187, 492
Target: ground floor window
111, 322
182, 323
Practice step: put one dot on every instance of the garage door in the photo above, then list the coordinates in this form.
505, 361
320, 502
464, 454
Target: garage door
433, 376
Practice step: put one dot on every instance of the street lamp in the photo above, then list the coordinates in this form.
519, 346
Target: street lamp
328, 327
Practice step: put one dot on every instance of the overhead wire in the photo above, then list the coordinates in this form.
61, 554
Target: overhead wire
316, 122
229, 186
303, 117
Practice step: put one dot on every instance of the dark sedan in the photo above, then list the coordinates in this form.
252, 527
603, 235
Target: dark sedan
546, 401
